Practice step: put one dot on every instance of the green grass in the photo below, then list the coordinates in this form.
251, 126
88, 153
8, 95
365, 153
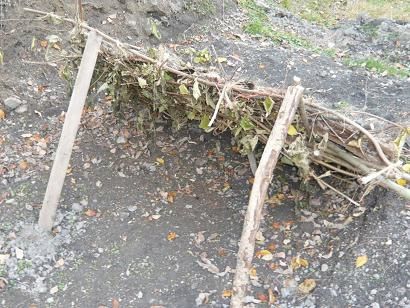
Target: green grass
23, 265
259, 25
203, 7
379, 66
370, 30
329, 12
2, 270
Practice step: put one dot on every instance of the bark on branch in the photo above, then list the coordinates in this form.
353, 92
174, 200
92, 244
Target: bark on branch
263, 178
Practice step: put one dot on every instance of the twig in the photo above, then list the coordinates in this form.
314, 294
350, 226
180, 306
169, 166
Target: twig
402, 191
372, 176
320, 181
332, 130
218, 105
338, 170
363, 130
379, 118
303, 115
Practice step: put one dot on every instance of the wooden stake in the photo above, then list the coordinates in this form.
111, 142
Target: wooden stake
70, 128
260, 186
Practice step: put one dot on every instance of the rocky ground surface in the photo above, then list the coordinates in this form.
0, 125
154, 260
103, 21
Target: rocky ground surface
152, 219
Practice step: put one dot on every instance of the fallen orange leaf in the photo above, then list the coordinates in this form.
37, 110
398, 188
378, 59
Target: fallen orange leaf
90, 213
252, 272
276, 225
262, 297
307, 286
23, 165
222, 252
171, 196
271, 247
43, 43
171, 236
273, 266
227, 293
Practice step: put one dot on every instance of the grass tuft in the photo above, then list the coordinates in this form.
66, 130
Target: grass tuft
259, 25
329, 12
380, 67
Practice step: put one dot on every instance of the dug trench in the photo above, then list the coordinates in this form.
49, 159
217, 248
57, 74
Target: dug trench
139, 211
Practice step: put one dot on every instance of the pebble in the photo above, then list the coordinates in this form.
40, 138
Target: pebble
401, 290
77, 207
323, 74
121, 140
19, 253
324, 267
12, 102
200, 162
21, 109
132, 208
29, 207
124, 215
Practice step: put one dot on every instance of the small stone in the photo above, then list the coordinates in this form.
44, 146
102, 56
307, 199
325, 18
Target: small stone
132, 208
374, 305
50, 300
12, 102
54, 290
188, 206
121, 140
59, 263
124, 215
19, 253
200, 162
324, 267
76, 207
140, 294
373, 292
29, 207
21, 109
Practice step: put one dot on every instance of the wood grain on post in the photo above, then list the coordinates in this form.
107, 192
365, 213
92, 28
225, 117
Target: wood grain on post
68, 135
260, 186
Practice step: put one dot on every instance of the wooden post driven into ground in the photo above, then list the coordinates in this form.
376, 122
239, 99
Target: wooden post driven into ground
260, 186
70, 128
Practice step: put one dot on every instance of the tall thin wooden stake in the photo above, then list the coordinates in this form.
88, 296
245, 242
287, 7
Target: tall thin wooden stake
70, 128
260, 186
